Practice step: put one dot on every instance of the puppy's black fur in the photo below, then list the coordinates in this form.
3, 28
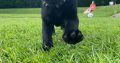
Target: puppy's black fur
60, 13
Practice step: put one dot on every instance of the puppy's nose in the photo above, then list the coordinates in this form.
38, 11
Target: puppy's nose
73, 35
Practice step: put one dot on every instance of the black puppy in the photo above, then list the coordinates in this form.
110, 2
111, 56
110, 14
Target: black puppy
60, 13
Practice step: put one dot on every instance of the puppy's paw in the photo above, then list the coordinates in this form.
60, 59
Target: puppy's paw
47, 46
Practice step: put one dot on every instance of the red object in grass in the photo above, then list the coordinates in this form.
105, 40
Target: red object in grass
92, 6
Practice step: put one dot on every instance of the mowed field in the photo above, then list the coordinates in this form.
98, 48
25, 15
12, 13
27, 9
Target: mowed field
21, 38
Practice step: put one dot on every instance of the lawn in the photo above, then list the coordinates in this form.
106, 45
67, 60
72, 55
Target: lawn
20, 38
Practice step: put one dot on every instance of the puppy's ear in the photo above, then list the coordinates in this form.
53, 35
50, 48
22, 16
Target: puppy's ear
73, 34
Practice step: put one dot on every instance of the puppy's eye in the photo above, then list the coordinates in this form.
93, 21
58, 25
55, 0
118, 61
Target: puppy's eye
65, 36
79, 34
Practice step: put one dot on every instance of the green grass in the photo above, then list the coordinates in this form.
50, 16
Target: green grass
20, 38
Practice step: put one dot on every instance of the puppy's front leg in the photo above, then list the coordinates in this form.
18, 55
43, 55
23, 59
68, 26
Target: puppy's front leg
47, 30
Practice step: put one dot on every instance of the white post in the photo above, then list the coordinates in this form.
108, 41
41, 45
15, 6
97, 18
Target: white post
111, 3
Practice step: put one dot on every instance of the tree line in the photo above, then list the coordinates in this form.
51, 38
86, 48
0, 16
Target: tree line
37, 3
98, 2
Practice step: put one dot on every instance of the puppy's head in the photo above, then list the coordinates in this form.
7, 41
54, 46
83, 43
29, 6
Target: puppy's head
73, 37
